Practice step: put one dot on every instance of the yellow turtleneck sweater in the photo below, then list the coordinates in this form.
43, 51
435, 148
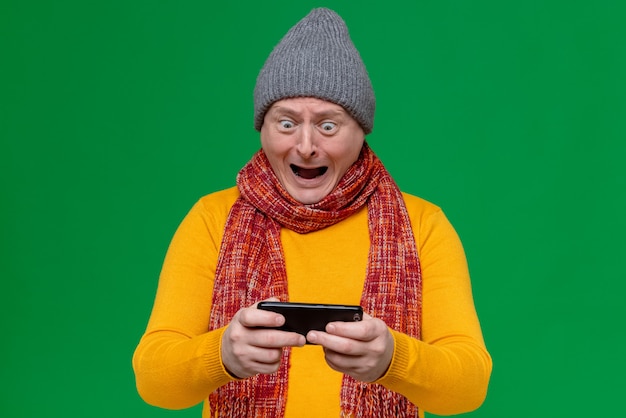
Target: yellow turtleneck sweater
177, 362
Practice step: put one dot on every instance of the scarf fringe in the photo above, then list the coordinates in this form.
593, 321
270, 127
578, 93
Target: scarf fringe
370, 400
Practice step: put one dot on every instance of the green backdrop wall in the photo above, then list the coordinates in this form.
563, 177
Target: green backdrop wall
116, 116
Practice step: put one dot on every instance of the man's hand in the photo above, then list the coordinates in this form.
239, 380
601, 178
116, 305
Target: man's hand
248, 350
362, 349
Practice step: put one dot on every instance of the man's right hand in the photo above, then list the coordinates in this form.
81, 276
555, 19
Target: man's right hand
248, 350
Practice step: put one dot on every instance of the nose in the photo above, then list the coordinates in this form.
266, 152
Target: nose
306, 145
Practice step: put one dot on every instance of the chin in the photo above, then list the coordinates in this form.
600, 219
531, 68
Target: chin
309, 198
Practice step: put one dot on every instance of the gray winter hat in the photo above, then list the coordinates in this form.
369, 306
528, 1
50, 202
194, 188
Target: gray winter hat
316, 58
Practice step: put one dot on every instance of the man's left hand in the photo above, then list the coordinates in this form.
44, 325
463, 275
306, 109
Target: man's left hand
362, 349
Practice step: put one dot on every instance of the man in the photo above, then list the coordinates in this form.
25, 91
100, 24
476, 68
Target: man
315, 217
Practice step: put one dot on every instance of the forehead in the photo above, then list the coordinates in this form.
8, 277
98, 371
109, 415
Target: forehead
307, 104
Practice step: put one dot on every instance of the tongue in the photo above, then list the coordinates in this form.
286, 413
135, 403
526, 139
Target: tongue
310, 173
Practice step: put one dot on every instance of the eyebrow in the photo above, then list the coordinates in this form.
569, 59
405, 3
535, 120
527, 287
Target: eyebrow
323, 113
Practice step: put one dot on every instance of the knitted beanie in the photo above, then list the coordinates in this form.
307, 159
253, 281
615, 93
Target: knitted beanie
316, 58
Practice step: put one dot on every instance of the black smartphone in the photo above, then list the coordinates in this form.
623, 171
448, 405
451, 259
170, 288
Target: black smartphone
305, 317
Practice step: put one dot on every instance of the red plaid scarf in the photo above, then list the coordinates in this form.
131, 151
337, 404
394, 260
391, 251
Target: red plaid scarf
251, 268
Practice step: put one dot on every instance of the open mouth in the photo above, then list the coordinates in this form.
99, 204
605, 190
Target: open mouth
308, 173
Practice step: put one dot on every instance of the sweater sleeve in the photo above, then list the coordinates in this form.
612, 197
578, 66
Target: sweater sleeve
447, 371
177, 363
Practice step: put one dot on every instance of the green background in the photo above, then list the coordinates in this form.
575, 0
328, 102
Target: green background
116, 116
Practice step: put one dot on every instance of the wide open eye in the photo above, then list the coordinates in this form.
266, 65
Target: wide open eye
286, 124
328, 126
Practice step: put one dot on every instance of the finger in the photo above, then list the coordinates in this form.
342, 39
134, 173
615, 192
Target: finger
362, 331
271, 338
339, 344
255, 360
367, 366
237, 334
253, 317
261, 368
266, 356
